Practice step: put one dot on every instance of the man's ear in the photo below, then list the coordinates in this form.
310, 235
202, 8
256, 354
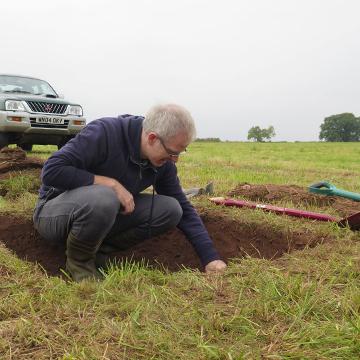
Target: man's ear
151, 137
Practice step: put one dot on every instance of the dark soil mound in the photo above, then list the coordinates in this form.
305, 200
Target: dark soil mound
16, 159
299, 196
171, 250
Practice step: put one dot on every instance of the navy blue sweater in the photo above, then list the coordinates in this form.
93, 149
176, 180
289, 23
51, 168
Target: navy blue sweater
111, 147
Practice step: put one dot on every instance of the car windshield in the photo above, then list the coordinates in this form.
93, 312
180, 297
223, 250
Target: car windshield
24, 85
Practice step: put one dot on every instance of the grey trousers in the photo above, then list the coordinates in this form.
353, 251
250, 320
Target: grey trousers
92, 214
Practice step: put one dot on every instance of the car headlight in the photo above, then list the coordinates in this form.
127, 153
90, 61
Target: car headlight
75, 110
14, 105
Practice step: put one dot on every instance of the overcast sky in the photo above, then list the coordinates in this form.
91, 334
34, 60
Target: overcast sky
233, 63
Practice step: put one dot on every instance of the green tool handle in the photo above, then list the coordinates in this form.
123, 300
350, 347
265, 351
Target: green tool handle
347, 194
322, 187
326, 188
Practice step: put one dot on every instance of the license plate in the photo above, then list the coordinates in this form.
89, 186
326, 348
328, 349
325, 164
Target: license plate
49, 120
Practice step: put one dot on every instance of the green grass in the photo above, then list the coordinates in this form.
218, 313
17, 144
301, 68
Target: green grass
304, 305
19, 192
276, 163
42, 151
14, 186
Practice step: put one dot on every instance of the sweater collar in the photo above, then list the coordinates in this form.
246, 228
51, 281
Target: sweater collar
135, 132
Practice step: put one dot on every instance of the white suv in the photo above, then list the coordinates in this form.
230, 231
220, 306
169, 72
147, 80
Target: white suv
31, 112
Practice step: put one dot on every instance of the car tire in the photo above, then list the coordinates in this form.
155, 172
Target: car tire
63, 141
26, 146
4, 140
61, 144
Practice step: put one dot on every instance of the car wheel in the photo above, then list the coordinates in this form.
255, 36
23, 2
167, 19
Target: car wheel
61, 144
26, 146
63, 141
4, 140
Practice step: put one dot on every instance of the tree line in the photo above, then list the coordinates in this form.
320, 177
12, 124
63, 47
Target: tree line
343, 127
340, 127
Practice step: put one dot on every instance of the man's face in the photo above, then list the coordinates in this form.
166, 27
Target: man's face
161, 151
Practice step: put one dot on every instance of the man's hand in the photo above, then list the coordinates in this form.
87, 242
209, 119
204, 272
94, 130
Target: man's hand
216, 266
125, 197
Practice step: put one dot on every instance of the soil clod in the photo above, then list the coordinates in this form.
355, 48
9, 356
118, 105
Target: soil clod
16, 159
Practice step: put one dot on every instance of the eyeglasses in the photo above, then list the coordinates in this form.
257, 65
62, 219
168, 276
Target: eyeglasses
172, 154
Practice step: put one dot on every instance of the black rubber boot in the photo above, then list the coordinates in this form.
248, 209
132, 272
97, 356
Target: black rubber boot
104, 256
80, 261
112, 245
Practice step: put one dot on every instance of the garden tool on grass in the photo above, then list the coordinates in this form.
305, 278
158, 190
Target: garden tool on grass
353, 221
326, 188
207, 190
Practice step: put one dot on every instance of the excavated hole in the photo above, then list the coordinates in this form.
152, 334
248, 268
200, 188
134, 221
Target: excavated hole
232, 238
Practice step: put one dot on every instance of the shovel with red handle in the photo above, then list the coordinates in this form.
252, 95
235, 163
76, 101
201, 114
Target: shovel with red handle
353, 221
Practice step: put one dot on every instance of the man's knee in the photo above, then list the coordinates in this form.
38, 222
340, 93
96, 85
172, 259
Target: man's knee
171, 211
176, 212
102, 203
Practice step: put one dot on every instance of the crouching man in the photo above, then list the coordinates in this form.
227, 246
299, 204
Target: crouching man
91, 193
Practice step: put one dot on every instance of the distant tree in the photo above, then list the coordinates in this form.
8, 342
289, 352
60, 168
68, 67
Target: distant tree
269, 132
340, 127
255, 133
258, 134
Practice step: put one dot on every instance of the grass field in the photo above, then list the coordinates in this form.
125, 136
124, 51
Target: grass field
304, 305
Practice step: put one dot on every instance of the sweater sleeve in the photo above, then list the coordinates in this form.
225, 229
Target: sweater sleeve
190, 224
72, 165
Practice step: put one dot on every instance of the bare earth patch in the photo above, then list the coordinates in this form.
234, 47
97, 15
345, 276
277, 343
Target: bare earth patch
171, 250
16, 159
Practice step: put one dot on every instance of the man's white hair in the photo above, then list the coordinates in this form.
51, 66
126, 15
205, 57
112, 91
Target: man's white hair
169, 120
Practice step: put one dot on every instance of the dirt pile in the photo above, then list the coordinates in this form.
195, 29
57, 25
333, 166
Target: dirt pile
16, 159
297, 195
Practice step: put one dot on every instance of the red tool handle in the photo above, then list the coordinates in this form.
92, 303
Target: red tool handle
275, 209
